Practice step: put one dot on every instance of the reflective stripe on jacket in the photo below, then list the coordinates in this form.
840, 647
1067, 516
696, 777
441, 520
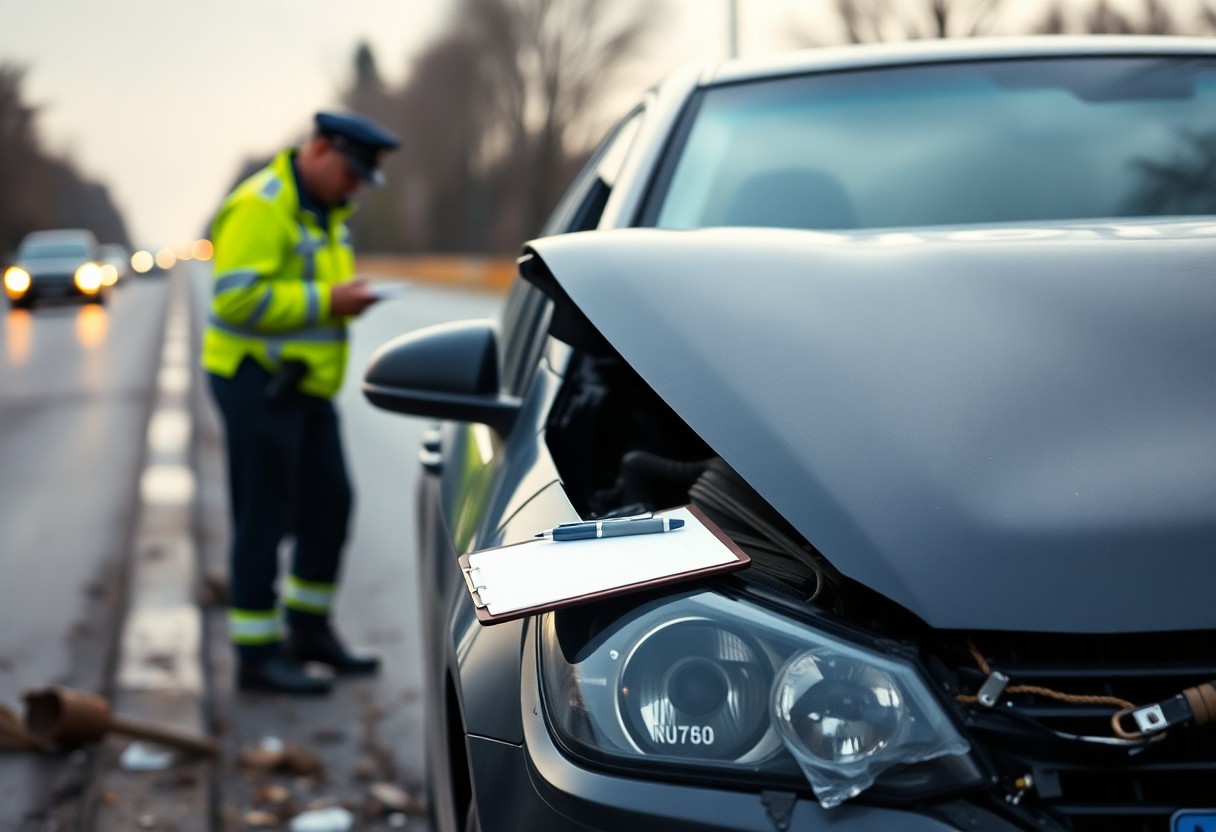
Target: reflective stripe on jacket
273, 269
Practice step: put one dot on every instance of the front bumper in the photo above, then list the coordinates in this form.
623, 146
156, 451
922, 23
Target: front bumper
44, 287
534, 786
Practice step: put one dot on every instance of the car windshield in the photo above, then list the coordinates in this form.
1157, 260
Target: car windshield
48, 251
984, 142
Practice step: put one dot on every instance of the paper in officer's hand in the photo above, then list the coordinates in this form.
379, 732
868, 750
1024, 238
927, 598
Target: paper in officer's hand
389, 291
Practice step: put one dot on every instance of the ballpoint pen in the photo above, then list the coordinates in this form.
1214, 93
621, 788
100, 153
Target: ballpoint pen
618, 527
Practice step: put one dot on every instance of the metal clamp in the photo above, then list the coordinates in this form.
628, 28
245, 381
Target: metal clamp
1152, 719
990, 692
474, 590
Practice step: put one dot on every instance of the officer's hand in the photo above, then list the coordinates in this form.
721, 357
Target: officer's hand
350, 298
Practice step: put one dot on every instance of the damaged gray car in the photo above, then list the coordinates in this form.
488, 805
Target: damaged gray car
930, 333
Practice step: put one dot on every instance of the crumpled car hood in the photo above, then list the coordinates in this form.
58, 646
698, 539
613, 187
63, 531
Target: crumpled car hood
998, 428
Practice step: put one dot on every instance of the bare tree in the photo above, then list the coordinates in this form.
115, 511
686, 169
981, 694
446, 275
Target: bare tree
495, 116
379, 223
545, 65
866, 21
442, 116
1153, 17
24, 174
1183, 184
83, 203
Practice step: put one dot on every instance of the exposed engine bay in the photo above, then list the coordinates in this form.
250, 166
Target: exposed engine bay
622, 450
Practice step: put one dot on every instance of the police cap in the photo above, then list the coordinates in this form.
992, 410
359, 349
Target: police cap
359, 139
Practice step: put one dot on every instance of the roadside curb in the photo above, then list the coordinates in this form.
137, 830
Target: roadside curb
158, 677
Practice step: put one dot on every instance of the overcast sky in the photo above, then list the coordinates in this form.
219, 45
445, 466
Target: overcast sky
163, 99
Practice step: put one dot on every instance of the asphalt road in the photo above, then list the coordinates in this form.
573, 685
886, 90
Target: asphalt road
76, 384
76, 388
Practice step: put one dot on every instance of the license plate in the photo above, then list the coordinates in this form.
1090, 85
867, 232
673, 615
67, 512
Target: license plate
1194, 820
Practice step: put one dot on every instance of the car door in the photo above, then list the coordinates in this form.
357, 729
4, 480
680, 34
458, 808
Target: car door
483, 487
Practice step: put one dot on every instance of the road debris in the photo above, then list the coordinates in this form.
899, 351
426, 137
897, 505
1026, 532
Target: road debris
13, 736
333, 819
389, 796
271, 794
214, 591
266, 755
272, 754
260, 819
140, 757
74, 717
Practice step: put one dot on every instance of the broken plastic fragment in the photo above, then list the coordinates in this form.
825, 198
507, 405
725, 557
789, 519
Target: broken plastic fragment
139, 757
392, 797
333, 819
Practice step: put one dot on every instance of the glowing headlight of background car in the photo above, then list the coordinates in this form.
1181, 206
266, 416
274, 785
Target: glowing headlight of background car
89, 278
16, 280
708, 686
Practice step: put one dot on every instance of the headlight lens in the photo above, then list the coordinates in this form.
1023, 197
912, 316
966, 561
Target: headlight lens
721, 687
835, 712
16, 280
88, 278
695, 691
109, 274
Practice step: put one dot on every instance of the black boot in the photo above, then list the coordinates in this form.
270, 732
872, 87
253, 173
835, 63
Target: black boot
279, 673
312, 639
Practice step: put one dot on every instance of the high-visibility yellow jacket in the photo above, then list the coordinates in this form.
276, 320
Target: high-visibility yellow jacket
274, 267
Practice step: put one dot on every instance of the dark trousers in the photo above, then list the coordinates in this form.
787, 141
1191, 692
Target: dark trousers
287, 476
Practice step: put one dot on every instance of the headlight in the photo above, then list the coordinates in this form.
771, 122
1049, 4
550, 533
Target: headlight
715, 688
88, 278
695, 690
16, 280
109, 274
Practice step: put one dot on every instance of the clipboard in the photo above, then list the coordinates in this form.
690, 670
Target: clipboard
540, 575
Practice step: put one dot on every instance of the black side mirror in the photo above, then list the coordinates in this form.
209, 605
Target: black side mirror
449, 371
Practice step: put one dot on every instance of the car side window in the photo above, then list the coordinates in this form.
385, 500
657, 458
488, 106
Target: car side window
525, 314
524, 321
583, 204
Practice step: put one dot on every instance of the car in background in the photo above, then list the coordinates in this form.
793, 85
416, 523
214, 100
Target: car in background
115, 263
927, 331
61, 263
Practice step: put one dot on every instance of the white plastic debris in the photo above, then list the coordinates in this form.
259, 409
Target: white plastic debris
392, 797
140, 757
333, 819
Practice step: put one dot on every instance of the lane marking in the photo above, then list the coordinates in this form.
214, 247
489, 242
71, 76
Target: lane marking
169, 431
173, 379
160, 647
167, 485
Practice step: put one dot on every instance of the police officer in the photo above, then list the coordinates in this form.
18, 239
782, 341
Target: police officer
275, 349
